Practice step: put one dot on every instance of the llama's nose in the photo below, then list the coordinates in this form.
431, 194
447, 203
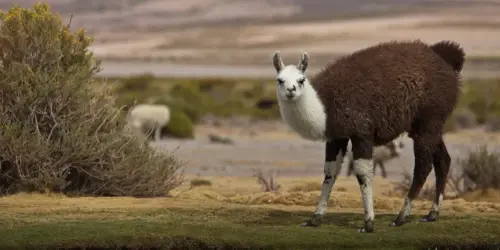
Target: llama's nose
291, 89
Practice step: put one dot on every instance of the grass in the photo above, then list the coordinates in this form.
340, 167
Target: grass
171, 223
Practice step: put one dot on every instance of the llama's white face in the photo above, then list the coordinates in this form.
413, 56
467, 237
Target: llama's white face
291, 80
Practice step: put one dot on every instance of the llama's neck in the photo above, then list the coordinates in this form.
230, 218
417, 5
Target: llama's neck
306, 115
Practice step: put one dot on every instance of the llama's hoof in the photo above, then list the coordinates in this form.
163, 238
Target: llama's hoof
368, 227
315, 221
431, 217
364, 230
398, 222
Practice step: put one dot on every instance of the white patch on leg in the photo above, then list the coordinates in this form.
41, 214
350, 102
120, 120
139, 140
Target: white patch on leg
331, 169
437, 206
406, 209
364, 168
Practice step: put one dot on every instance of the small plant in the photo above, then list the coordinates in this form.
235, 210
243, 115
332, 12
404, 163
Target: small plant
267, 182
482, 168
200, 182
179, 126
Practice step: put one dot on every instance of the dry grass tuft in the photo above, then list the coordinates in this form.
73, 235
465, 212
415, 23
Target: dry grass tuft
268, 182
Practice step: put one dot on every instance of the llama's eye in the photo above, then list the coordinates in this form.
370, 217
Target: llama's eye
301, 81
280, 81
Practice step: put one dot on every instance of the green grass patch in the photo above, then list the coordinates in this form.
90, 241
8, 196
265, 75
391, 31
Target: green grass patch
241, 228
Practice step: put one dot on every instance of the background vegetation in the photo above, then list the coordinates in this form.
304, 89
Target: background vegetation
479, 104
57, 134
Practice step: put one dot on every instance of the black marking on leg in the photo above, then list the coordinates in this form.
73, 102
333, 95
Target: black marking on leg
431, 217
333, 148
328, 178
360, 180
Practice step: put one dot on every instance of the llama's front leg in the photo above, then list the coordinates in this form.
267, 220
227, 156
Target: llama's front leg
363, 167
334, 154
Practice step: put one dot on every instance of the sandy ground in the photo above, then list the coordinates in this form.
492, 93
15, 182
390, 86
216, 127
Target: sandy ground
272, 145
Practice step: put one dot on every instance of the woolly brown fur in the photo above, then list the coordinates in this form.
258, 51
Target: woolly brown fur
381, 91
374, 95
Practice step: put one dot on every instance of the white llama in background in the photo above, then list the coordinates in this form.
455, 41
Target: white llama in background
144, 117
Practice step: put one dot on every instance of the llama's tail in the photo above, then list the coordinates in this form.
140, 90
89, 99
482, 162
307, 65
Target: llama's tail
451, 53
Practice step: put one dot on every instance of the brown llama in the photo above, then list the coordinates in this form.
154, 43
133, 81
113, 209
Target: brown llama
370, 97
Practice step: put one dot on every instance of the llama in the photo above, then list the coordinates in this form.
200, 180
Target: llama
149, 116
381, 155
369, 98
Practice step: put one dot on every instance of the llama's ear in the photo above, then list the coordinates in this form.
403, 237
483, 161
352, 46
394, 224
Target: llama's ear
304, 62
277, 62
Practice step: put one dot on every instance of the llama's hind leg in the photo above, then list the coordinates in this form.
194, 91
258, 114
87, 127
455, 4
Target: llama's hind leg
363, 166
442, 161
350, 168
423, 152
334, 154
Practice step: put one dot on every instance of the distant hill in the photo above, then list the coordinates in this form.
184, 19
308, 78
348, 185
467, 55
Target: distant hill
101, 15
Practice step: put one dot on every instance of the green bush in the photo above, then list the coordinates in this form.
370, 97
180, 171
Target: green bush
57, 134
193, 113
482, 97
179, 126
136, 83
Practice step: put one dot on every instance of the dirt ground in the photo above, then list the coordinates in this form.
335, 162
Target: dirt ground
272, 145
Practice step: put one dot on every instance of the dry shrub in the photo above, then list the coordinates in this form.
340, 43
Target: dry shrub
481, 169
268, 182
57, 134
428, 192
